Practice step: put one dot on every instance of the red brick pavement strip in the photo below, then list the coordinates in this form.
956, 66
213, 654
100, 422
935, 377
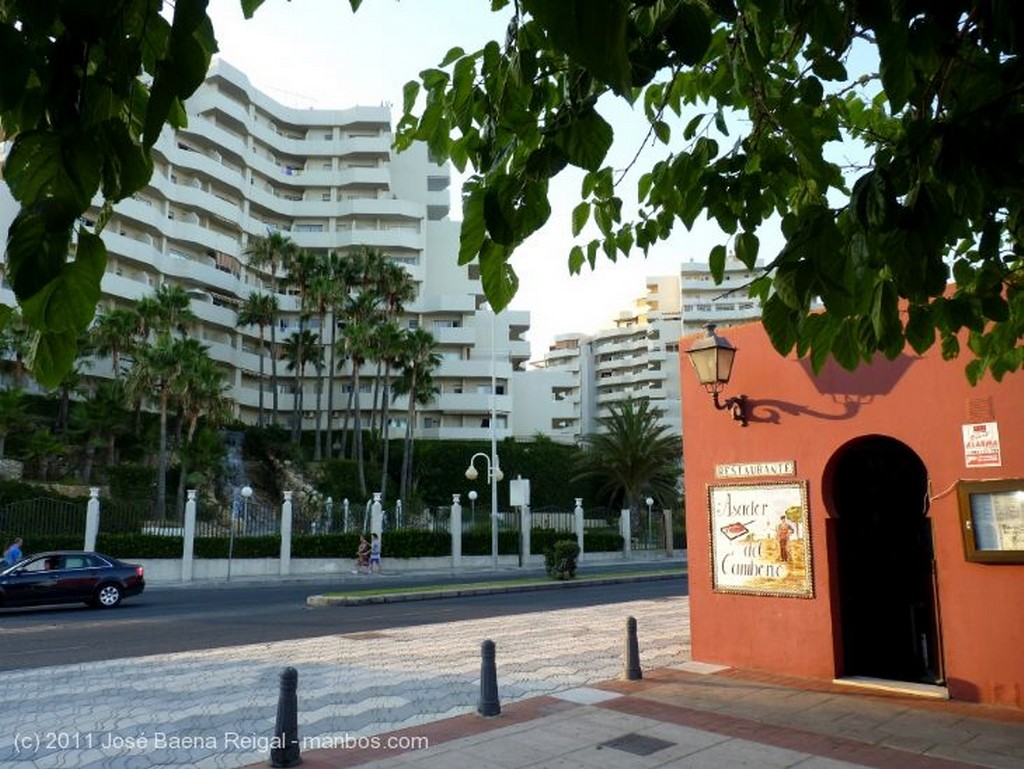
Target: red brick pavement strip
435, 733
826, 746
835, 748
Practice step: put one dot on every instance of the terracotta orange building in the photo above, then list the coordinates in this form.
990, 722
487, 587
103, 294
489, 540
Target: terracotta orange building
866, 526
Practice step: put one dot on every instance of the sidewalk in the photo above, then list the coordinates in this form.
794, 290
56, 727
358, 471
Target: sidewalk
703, 716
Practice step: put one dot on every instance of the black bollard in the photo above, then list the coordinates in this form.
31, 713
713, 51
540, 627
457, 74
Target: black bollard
286, 731
488, 705
632, 670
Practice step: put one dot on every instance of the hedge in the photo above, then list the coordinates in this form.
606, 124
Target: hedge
401, 543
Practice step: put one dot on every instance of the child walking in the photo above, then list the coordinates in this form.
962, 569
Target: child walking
375, 553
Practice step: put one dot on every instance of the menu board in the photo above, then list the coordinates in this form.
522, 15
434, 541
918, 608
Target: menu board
992, 513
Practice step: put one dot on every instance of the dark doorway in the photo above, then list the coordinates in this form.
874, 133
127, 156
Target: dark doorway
885, 562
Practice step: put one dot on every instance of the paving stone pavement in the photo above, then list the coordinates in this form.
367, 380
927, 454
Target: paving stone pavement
216, 708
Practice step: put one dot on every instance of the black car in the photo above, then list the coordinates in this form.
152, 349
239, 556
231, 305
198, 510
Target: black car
70, 576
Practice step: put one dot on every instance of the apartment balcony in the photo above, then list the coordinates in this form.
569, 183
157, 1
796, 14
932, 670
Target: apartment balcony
214, 141
208, 166
382, 239
384, 208
379, 146
203, 238
360, 176
219, 350
125, 288
282, 205
698, 318
443, 303
206, 100
460, 335
462, 434
214, 315
147, 212
471, 403
206, 202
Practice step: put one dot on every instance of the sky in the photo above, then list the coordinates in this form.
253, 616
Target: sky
318, 53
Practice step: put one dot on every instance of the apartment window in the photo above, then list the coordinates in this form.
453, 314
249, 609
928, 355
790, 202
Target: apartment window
414, 323
309, 228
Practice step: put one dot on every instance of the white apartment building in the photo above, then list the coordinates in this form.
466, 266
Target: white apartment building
329, 180
703, 301
636, 357
638, 354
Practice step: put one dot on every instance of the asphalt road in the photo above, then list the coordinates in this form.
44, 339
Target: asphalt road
174, 619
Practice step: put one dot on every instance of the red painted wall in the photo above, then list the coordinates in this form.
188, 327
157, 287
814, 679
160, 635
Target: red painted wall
921, 401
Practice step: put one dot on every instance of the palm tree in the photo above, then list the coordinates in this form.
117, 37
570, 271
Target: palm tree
322, 292
260, 310
201, 391
158, 373
633, 454
168, 310
13, 414
272, 251
302, 267
394, 287
301, 347
357, 338
340, 281
99, 420
390, 350
419, 362
16, 340
112, 334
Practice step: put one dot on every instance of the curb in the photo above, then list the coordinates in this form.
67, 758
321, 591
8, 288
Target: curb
425, 595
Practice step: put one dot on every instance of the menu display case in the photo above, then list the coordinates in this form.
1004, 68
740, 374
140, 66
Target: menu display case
992, 520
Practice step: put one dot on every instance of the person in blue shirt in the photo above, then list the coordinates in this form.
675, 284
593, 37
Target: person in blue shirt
13, 553
375, 552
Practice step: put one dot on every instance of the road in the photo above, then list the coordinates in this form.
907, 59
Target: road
174, 619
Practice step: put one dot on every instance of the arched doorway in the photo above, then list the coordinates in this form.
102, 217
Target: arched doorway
886, 587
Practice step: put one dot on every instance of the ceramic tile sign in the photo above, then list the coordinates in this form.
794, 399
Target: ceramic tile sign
760, 539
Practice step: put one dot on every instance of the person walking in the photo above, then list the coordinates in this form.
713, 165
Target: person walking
375, 552
13, 552
362, 557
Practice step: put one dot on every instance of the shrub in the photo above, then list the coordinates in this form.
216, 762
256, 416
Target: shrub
560, 560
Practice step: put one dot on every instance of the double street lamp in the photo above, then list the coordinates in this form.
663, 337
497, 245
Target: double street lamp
494, 475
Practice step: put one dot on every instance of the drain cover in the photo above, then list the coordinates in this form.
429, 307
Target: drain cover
637, 744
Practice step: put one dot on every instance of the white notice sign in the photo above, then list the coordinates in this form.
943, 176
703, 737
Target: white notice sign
981, 445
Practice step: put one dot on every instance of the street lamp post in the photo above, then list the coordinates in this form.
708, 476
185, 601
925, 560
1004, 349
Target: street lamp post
246, 492
650, 503
494, 475
472, 513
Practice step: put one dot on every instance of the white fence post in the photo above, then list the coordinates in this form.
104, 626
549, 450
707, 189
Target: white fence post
188, 544
377, 516
92, 518
455, 529
286, 535
668, 531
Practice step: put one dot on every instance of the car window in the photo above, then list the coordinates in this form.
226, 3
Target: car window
37, 564
76, 562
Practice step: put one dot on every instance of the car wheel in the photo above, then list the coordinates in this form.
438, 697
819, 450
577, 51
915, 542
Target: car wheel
108, 596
